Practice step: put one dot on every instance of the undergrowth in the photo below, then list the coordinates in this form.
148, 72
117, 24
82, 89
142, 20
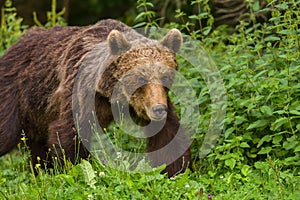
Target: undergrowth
258, 153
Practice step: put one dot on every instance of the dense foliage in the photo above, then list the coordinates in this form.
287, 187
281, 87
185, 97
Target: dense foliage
258, 153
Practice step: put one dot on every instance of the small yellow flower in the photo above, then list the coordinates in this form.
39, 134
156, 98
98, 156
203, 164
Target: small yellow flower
38, 158
37, 166
23, 139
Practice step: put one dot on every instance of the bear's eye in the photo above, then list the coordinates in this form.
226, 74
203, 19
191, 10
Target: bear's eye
142, 80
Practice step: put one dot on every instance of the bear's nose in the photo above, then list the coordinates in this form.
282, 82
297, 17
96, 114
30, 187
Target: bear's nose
159, 111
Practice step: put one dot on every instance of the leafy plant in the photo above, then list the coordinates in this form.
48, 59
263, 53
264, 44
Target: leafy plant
260, 66
53, 18
11, 26
146, 15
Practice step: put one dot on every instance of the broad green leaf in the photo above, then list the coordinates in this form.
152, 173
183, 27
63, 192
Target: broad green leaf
265, 150
266, 138
277, 139
298, 127
266, 110
140, 16
256, 6
262, 73
246, 170
261, 165
278, 123
258, 124
272, 38
194, 17
89, 174
291, 160
297, 148
228, 132
283, 6
206, 30
295, 112
239, 120
68, 178
280, 112
251, 155
284, 32
244, 145
230, 163
291, 143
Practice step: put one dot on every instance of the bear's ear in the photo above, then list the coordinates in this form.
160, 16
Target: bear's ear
117, 42
173, 40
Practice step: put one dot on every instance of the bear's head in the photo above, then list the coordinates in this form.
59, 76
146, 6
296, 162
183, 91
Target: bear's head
142, 73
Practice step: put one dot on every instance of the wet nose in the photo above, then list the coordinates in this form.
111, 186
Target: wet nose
159, 110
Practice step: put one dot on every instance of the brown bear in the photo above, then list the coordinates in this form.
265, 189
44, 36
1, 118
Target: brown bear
37, 77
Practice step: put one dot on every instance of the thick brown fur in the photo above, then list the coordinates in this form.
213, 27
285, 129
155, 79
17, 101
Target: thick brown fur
37, 77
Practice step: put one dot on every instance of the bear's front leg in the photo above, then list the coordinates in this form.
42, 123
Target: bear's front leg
170, 145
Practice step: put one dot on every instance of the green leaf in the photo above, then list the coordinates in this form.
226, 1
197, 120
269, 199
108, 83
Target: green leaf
68, 178
239, 120
143, 165
194, 17
140, 16
272, 38
149, 4
246, 170
295, 112
278, 123
297, 148
266, 138
89, 174
258, 124
230, 163
206, 30
284, 32
244, 145
265, 150
256, 6
261, 165
277, 139
298, 127
228, 132
280, 112
266, 110
283, 6
138, 25
291, 143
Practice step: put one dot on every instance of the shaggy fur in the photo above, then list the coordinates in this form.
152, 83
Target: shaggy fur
37, 76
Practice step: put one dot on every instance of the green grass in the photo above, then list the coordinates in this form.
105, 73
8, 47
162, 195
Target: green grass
93, 180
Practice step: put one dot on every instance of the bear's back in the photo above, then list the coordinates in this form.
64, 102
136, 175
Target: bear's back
42, 59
